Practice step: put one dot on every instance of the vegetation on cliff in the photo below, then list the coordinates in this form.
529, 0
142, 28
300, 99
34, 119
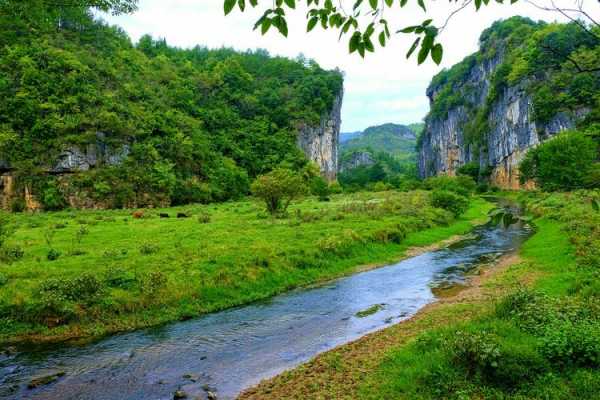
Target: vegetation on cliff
165, 125
557, 65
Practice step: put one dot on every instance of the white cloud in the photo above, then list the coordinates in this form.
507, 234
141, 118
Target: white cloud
385, 87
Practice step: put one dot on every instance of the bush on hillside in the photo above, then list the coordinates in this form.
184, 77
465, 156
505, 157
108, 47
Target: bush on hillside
450, 201
565, 162
462, 185
320, 188
469, 169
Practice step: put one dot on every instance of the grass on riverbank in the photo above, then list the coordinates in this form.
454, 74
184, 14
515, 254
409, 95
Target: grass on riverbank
529, 330
87, 273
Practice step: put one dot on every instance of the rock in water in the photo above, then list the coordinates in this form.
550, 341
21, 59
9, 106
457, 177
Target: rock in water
44, 380
179, 394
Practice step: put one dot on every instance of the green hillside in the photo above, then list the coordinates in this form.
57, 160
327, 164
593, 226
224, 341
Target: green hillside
397, 140
188, 125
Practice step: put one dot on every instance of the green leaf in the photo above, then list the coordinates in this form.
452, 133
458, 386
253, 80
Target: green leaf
422, 4
291, 3
408, 29
477, 4
413, 47
354, 41
389, 2
424, 52
228, 6
382, 38
265, 26
242, 5
311, 24
437, 52
374, 4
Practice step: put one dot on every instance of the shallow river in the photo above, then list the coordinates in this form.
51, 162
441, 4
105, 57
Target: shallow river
228, 351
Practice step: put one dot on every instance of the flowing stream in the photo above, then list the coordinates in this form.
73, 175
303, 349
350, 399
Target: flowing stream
228, 351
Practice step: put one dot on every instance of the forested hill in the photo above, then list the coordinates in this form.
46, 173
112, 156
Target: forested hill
395, 139
528, 82
142, 124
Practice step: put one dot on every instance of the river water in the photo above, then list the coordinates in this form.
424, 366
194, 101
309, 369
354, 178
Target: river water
228, 351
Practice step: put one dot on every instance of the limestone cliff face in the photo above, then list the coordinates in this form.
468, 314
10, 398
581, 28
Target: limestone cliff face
73, 159
356, 159
510, 131
320, 143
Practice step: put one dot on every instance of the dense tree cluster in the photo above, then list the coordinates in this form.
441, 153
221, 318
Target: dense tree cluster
195, 125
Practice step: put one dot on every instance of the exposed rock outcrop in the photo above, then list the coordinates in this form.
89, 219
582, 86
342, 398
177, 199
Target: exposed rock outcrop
83, 158
510, 126
355, 160
320, 143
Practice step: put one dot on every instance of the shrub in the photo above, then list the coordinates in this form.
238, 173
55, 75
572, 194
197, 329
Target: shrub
335, 187
11, 254
339, 245
462, 185
469, 169
278, 188
504, 362
3, 279
52, 198
450, 201
148, 248
569, 343
17, 205
116, 276
390, 235
562, 163
319, 188
86, 288
204, 218
153, 282
53, 255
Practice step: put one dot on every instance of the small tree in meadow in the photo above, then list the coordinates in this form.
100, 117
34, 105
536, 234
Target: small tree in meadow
278, 188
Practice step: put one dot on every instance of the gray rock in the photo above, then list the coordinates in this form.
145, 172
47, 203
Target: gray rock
179, 394
512, 129
357, 159
83, 158
320, 143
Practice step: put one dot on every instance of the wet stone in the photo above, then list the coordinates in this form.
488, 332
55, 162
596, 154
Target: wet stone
45, 380
179, 394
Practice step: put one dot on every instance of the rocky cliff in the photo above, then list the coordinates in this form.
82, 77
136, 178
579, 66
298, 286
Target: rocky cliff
320, 143
480, 114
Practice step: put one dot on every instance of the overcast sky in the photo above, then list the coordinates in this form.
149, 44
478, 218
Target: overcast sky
385, 87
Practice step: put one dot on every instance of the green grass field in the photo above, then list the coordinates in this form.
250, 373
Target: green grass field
88, 273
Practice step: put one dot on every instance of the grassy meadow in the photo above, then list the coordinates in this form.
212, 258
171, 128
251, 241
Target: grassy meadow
77, 274
528, 329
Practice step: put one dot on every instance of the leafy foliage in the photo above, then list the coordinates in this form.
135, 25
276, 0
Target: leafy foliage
362, 24
278, 188
168, 125
455, 203
561, 163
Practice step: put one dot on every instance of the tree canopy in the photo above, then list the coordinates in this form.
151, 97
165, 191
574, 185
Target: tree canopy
174, 125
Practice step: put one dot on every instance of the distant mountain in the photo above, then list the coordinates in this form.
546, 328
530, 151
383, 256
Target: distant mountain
346, 136
394, 139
